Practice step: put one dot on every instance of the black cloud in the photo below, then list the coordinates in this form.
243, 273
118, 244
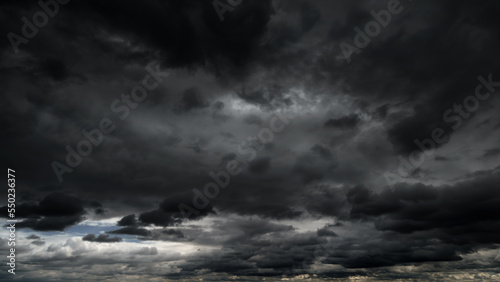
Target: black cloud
102, 238
347, 122
55, 211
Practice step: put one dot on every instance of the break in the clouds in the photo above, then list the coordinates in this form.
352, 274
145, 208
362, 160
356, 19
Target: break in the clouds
237, 140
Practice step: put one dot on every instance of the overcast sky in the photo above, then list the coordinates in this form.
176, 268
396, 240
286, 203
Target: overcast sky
249, 139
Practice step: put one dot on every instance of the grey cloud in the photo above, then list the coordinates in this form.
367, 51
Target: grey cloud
347, 122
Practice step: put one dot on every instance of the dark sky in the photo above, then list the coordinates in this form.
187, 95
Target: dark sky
249, 139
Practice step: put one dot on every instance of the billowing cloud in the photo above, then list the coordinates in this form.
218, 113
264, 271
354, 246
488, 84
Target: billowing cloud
246, 142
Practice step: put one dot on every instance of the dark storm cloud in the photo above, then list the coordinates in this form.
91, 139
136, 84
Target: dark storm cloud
128, 220
158, 234
100, 211
58, 223
347, 122
381, 111
49, 67
218, 105
269, 210
242, 238
192, 99
463, 217
33, 237
253, 119
228, 157
236, 46
441, 158
102, 238
132, 231
227, 76
445, 221
326, 201
388, 251
95, 204
60, 204
173, 232
409, 73
301, 18
267, 96
38, 242
260, 166
177, 29
55, 69
327, 231
408, 218
168, 213
56, 211
157, 217
464, 209
315, 164
189, 32
256, 97
491, 153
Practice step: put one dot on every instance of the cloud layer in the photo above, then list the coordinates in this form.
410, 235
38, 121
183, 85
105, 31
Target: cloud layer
268, 94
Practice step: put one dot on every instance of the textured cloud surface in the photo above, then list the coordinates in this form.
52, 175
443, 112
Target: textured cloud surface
237, 140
